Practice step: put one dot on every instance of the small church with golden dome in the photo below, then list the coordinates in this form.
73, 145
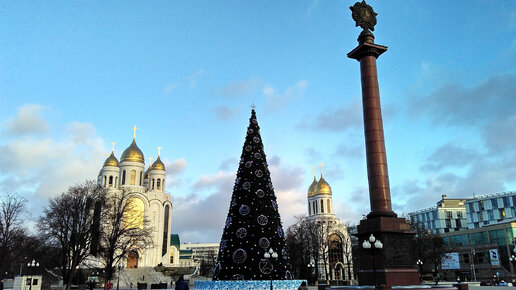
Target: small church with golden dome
336, 262
147, 193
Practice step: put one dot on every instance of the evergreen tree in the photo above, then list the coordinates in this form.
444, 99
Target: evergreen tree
253, 225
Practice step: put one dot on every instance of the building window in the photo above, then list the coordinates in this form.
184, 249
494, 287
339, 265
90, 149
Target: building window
490, 214
110, 181
322, 206
104, 182
328, 207
458, 223
309, 209
448, 223
449, 214
158, 184
123, 177
459, 214
471, 207
481, 205
494, 202
314, 207
133, 177
165, 231
478, 238
152, 187
506, 201
141, 174
502, 213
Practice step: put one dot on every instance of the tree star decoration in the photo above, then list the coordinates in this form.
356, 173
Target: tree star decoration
363, 15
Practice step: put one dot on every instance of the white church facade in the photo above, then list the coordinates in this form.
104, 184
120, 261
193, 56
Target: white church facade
335, 262
146, 189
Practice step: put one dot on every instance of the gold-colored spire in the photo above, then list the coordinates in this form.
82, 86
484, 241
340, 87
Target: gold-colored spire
159, 150
113, 146
134, 131
150, 161
315, 170
322, 186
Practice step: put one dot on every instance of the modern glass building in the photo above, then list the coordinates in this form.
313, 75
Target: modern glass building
491, 209
449, 215
474, 246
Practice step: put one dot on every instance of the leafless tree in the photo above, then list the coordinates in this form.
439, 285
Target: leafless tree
12, 231
124, 228
67, 221
304, 246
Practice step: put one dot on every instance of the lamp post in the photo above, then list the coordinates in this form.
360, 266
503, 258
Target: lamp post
32, 264
473, 265
374, 245
268, 255
420, 266
119, 267
311, 267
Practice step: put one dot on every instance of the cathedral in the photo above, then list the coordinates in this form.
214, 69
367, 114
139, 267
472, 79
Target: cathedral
147, 191
336, 262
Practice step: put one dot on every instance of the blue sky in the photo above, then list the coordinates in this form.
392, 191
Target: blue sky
76, 76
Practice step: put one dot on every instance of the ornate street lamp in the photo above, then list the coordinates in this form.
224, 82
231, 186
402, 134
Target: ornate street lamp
311, 268
374, 245
270, 255
32, 264
420, 265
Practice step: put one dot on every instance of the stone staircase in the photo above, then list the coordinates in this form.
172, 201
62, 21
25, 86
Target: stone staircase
142, 275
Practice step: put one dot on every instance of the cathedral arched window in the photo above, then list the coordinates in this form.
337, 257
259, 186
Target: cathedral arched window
158, 184
123, 177
133, 177
141, 174
315, 207
322, 206
335, 250
152, 186
111, 181
165, 230
328, 205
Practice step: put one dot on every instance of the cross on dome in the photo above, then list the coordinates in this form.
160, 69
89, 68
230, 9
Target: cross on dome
322, 165
159, 150
134, 131
315, 171
113, 146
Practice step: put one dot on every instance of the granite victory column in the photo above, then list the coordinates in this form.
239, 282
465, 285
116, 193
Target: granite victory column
395, 262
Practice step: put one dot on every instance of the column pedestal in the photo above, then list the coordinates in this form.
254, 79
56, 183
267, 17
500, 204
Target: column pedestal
394, 262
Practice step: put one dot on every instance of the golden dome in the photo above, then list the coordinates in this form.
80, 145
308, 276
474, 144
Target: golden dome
132, 153
158, 165
311, 189
111, 161
322, 187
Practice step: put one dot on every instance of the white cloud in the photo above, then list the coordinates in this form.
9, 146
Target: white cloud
239, 88
225, 113
278, 101
46, 167
191, 81
27, 121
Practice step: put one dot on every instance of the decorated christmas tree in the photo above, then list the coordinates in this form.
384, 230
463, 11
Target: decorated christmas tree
253, 225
